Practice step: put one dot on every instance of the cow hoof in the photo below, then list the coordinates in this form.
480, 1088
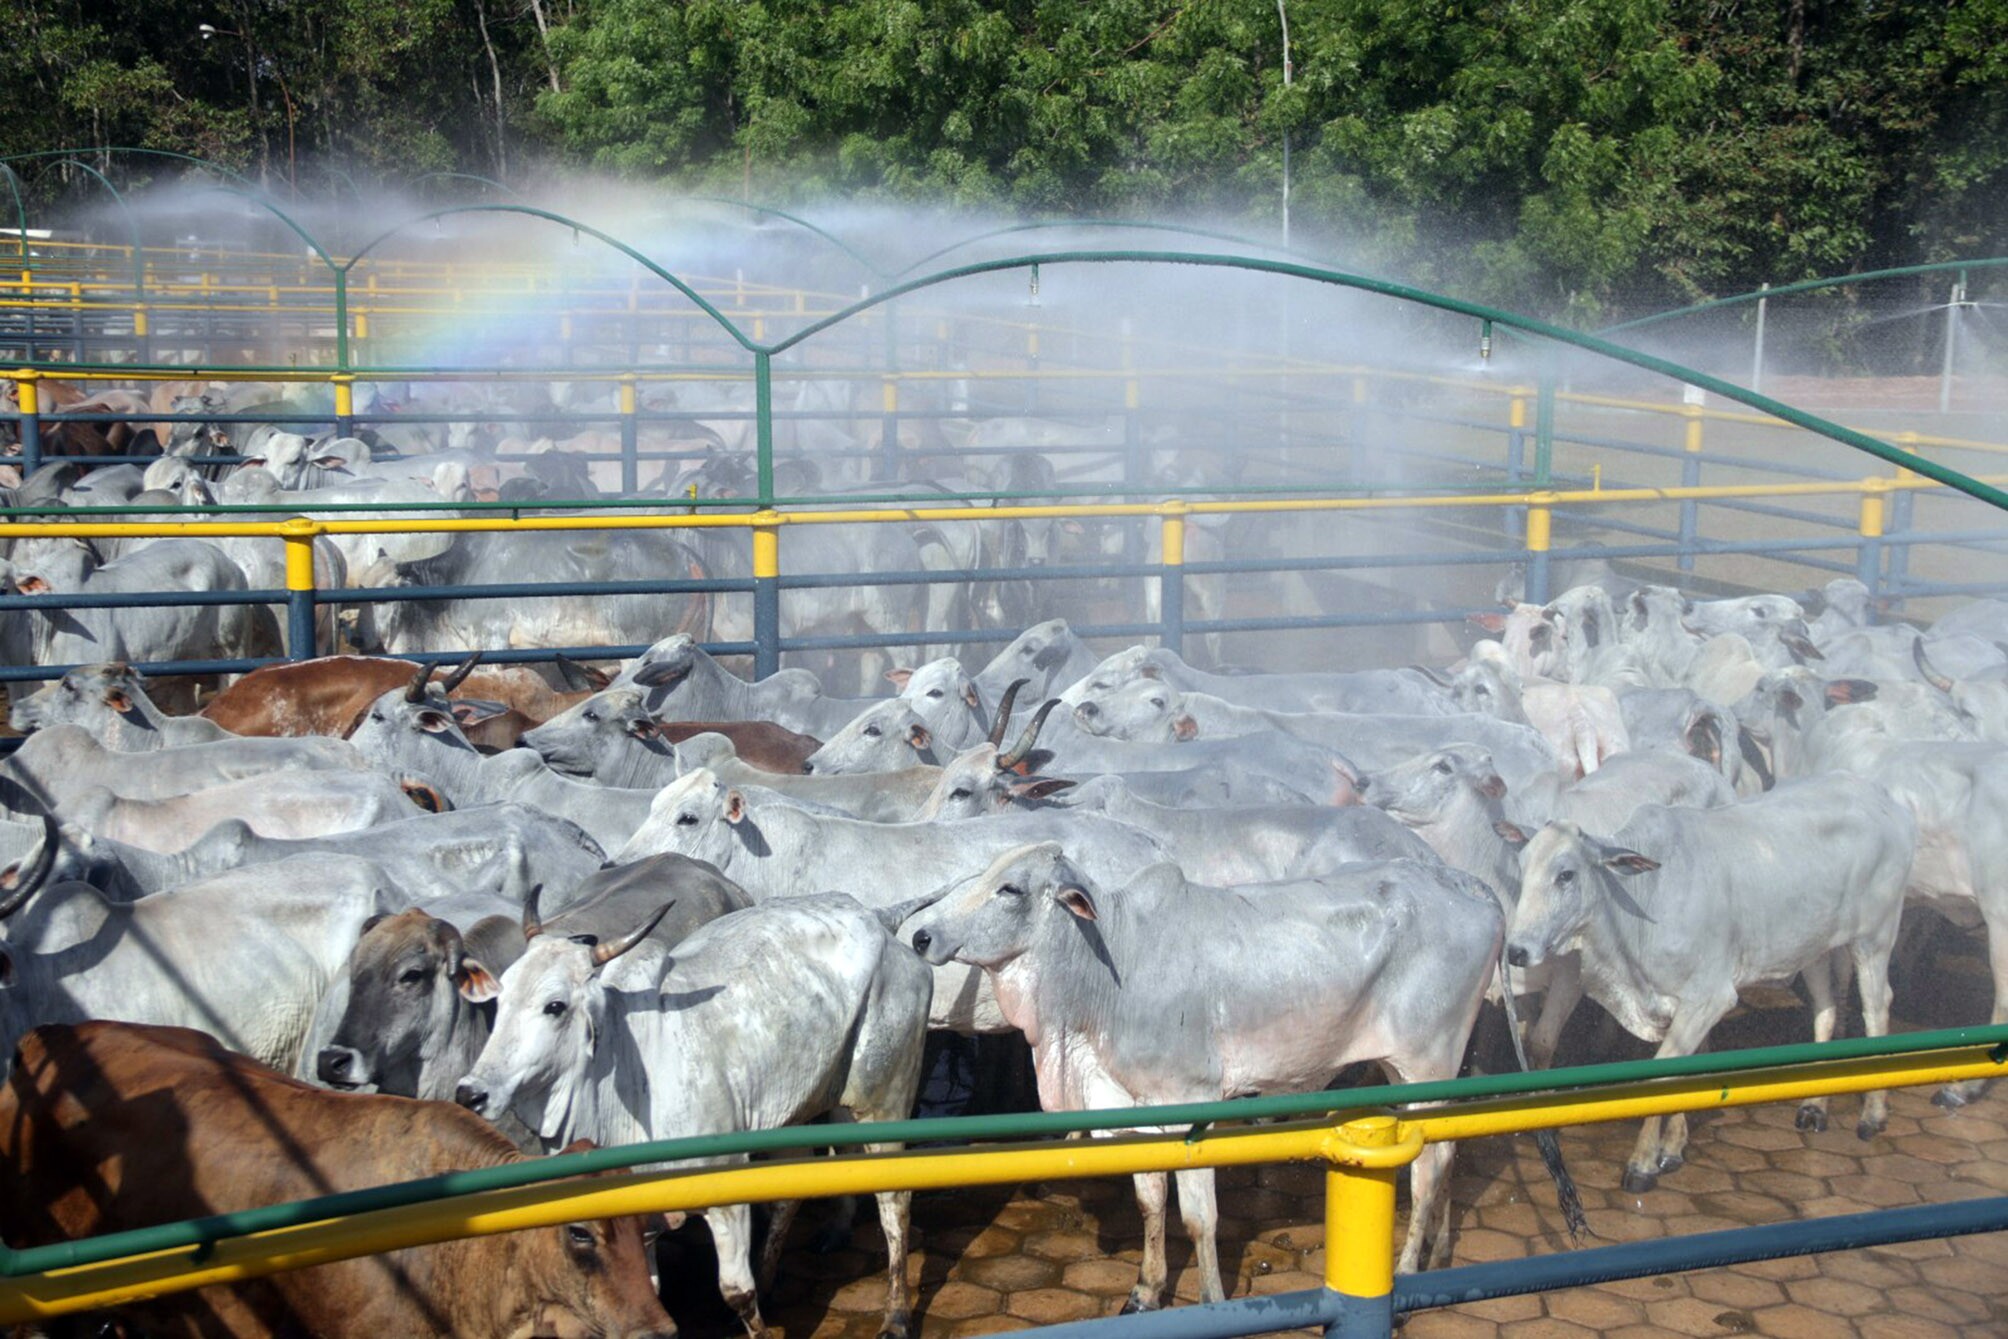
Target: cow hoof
897, 1329
1637, 1182
1812, 1118
829, 1239
1949, 1098
1869, 1130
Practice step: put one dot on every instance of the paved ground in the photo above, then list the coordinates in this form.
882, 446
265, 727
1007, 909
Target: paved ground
1007, 1259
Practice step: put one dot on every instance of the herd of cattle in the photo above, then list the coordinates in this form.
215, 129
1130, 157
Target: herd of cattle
678, 902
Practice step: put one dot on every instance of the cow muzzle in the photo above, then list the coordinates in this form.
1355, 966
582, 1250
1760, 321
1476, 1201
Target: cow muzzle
342, 1067
472, 1095
1518, 956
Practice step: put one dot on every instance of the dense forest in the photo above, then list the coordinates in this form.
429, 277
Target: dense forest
1583, 158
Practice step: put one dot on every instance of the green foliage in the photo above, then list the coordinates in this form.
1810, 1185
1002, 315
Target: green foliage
1590, 159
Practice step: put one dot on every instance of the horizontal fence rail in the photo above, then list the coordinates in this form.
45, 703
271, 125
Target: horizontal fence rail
1368, 1135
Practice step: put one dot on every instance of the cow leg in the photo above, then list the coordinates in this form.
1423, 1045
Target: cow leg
1819, 979
1558, 1001
895, 1216
732, 1233
1684, 1036
1872, 971
780, 1217
1200, 1212
1955, 1095
1151, 1188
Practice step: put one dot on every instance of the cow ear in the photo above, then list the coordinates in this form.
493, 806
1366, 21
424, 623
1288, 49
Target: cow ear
474, 710
1493, 787
969, 696
31, 585
474, 982
1790, 700
735, 805
1076, 900
1039, 787
1511, 833
919, 738
1489, 622
373, 922
425, 796
1628, 862
1185, 728
898, 678
118, 701
331, 462
643, 728
1842, 691
1150, 671
434, 722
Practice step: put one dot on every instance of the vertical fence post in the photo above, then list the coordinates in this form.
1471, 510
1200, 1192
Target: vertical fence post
1365, 1156
299, 538
1516, 454
1690, 477
1544, 431
1898, 525
143, 345
630, 438
28, 395
1133, 470
345, 404
1540, 538
1757, 345
763, 425
1356, 465
1171, 576
1868, 557
889, 428
766, 593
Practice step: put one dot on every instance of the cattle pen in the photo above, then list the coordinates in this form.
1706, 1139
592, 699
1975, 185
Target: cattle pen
1296, 495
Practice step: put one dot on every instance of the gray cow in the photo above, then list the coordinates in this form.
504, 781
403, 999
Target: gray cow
410, 1021
775, 850
1385, 961
59, 762
1682, 907
718, 1038
110, 701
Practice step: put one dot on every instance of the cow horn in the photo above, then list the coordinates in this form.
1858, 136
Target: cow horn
453, 680
998, 726
1025, 741
1924, 667
606, 953
533, 924
416, 692
894, 916
31, 878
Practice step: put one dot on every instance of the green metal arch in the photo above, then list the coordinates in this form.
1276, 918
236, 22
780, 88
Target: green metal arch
1139, 224
1808, 286
1859, 441
204, 163
798, 221
468, 176
549, 216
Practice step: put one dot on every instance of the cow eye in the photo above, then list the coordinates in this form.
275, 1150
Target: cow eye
686, 820
1757, 611
592, 716
1565, 876
873, 732
377, 716
959, 793
578, 1236
1157, 702
555, 1009
1441, 768
411, 976
1012, 890
934, 692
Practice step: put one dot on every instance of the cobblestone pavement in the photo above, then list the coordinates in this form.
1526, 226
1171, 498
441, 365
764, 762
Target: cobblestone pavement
1010, 1258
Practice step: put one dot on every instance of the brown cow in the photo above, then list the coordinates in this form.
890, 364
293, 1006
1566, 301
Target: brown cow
110, 1126
328, 695
761, 744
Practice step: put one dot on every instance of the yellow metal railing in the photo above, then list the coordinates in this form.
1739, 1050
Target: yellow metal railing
1362, 1152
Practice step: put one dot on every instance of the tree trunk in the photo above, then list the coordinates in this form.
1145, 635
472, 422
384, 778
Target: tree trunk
495, 69
1795, 38
544, 36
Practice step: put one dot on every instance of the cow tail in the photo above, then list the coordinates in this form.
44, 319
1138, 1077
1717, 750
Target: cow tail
1566, 1195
